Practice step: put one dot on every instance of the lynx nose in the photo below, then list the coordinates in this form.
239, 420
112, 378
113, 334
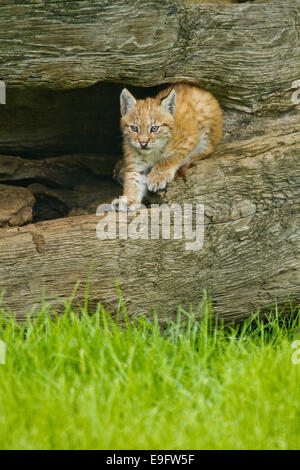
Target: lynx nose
144, 144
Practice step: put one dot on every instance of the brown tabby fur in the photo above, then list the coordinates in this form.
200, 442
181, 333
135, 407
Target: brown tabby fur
190, 126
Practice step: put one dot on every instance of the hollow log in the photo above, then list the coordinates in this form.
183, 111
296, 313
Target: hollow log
64, 171
249, 261
248, 55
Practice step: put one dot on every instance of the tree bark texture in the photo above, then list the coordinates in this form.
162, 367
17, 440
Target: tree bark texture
248, 55
249, 261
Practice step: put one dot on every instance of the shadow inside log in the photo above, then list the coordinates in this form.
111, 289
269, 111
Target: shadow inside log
62, 146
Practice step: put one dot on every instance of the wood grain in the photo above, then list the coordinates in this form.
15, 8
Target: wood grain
248, 54
250, 259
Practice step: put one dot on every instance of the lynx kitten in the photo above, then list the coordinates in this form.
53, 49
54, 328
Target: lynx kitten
180, 125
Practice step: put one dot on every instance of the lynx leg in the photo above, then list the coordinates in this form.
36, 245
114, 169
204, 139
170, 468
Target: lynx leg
181, 171
166, 169
134, 190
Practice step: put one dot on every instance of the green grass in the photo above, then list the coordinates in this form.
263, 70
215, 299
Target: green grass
84, 382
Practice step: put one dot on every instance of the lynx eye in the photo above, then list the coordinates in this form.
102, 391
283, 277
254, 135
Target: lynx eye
154, 129
134, 128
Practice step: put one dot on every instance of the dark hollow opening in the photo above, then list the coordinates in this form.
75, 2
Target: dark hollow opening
63, 145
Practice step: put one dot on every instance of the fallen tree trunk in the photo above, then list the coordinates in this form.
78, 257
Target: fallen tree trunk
247, 54
249, 261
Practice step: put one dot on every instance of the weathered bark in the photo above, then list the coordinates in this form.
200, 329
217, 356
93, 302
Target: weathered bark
66, 185
16, 205
66, 171
236, 51
248, 55
250, 259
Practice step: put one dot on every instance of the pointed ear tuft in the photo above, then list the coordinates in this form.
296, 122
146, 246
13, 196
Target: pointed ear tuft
169, 103
127, 101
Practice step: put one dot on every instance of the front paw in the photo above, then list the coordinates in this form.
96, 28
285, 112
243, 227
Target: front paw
157, 179
123, 204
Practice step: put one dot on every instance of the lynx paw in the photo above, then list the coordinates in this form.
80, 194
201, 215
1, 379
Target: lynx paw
157, 180
123, 204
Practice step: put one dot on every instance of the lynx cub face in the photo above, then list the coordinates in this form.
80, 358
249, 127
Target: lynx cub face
147, 124
161, 135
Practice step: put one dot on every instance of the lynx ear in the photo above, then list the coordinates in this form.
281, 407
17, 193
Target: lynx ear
127, 101
169, 103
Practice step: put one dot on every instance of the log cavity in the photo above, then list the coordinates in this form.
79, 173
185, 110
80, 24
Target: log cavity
62, 147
